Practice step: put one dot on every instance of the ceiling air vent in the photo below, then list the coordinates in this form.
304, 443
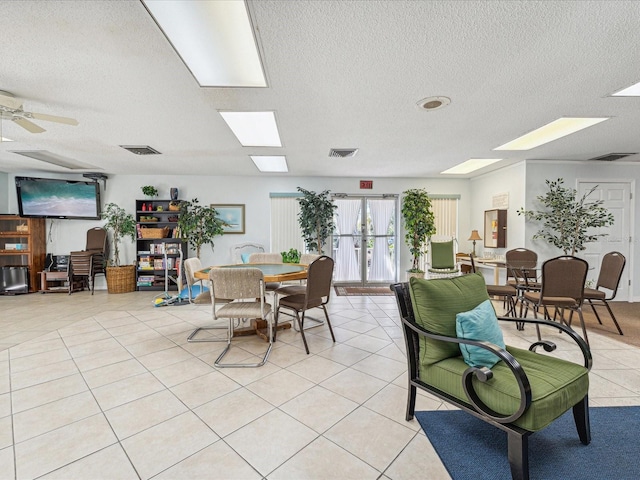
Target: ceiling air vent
610, 157
343, 152
141, 149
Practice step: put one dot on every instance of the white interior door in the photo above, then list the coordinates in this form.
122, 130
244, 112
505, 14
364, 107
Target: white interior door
617, 199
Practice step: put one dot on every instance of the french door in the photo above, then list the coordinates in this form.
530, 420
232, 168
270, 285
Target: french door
364, 242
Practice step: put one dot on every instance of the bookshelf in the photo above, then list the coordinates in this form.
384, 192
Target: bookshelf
157, 245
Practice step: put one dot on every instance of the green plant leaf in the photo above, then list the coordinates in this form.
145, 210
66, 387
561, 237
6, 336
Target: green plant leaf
121, 224
316, 218
419, 223
199, 225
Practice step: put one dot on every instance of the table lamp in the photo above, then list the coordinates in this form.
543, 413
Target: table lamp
474, 236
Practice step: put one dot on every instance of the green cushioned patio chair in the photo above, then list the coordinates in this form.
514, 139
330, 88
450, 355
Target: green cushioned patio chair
443, 259
520, 394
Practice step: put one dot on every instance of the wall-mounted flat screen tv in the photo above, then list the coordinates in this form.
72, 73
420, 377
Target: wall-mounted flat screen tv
57, 198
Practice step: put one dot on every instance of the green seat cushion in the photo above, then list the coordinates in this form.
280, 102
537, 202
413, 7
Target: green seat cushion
556, 385
435, 305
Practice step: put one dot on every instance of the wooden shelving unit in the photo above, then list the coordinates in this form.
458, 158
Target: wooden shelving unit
23, 244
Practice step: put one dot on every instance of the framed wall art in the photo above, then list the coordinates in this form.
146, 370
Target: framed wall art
233, 215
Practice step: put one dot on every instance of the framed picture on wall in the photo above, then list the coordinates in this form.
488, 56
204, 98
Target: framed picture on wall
233, 215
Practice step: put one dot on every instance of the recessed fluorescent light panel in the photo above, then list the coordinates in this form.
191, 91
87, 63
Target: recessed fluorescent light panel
254, 129
551, 131
214, 38
270, 163
53, 159
632, 91
471, 165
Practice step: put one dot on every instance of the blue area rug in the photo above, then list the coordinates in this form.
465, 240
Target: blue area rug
473, 449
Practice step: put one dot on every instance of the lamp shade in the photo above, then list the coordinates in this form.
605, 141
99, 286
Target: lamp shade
475, 235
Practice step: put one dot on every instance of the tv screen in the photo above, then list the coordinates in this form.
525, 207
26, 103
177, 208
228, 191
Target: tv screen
56, 198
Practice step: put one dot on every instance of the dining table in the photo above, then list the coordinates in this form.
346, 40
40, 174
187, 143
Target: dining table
272, 272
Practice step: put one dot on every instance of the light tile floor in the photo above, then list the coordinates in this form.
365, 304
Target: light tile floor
106, 387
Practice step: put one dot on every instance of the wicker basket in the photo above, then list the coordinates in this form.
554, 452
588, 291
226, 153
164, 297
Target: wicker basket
174, 206
146, 232
121, 279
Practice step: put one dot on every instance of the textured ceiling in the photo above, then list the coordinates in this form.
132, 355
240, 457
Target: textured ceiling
341, 74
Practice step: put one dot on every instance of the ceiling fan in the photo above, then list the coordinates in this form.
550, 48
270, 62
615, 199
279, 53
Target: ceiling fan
12, 109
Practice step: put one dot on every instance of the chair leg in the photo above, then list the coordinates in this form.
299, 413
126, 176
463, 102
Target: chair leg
613, 317
411, 402
326, 315
301, 325
584, 329
595, 312
581, 418
518, 452
244, 365
535, 315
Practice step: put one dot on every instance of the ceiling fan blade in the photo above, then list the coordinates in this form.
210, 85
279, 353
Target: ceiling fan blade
10, 102
27, 125
53, 118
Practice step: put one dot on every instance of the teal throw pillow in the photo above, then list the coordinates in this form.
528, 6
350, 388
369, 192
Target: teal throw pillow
245, 257
481, 324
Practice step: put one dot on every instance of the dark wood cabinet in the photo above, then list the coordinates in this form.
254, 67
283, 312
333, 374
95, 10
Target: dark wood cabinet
23, 244
495, 228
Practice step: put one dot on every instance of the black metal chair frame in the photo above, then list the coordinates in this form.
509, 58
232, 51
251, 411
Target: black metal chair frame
517, 438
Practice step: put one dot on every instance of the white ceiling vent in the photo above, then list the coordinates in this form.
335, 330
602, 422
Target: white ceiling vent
611, 157
343, 152
141, 149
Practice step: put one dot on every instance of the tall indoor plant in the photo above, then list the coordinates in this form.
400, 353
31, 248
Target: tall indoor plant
120, 278
315, 219
199, 224
419, 224
566, 219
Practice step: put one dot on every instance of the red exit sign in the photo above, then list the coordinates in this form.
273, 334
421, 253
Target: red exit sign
366, 184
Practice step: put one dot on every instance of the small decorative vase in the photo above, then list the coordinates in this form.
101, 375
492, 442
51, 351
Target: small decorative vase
174, 193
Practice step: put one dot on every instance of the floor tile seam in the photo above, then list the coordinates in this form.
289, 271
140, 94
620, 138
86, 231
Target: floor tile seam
417, 433
109, 365
350, 453
632, 392
332, 425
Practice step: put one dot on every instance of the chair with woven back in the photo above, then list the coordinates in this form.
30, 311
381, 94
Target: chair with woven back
609, 278
244, 289
267, 258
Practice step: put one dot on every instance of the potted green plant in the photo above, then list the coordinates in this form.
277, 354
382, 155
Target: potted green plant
292, 256
120, 278
149, 191
198, 224
315, 219
566, 219
419, 225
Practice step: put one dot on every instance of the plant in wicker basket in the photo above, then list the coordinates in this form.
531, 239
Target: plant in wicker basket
120, 279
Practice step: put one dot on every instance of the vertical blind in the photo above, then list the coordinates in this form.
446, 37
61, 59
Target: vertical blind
285, 230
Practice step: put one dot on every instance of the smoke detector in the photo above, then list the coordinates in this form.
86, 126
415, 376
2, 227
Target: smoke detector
433, 103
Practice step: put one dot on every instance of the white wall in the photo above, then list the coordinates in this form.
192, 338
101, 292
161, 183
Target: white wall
67, 235
538, 171
511, 181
